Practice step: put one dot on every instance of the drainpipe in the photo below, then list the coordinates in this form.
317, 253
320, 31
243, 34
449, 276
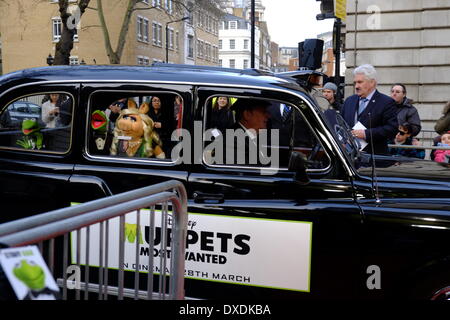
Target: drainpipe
356, 34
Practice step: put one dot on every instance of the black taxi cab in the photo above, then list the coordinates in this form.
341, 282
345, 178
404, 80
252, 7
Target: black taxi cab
311, 218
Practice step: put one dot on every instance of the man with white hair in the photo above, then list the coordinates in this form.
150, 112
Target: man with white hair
371, 114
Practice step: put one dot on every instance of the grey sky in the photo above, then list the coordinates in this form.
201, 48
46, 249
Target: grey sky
292, 21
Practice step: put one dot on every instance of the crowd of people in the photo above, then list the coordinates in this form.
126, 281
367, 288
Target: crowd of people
386, 124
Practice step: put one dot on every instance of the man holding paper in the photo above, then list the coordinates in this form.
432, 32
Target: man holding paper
369, 112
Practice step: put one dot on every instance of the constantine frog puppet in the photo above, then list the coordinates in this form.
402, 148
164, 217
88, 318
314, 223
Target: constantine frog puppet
134, 136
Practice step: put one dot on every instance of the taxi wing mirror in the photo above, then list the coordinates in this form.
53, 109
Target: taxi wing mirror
297, 164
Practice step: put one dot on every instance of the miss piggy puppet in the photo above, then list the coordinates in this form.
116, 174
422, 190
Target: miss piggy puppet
134, 136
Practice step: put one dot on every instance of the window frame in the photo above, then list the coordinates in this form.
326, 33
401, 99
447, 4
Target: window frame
109, 158
232, 44
207, 92
43, 93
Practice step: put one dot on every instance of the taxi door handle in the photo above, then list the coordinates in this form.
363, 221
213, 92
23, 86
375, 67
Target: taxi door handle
201, 197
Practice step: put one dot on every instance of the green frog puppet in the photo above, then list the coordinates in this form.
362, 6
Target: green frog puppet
33, 138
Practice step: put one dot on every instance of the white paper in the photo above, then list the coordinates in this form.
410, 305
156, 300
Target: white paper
362, 142
215, 133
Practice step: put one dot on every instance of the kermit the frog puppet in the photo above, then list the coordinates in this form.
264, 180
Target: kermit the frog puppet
101, 138
33, 138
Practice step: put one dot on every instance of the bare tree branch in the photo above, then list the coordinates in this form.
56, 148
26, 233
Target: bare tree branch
65, 44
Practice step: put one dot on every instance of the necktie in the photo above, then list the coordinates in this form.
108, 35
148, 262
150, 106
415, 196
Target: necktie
286, 113
362, 105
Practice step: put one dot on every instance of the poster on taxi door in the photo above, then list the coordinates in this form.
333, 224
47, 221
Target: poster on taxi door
239, 250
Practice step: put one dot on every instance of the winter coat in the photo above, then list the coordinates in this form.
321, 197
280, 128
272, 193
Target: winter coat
443, 124
439, 156
406, 112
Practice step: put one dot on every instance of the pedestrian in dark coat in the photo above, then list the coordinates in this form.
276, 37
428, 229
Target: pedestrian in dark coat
372, 112
443, 124
406, 112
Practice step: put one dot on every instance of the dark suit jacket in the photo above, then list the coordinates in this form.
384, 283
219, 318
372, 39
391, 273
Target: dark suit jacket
293, 125
276, 122
382, 122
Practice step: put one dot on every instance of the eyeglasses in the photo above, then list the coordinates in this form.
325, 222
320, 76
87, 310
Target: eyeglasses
402, 133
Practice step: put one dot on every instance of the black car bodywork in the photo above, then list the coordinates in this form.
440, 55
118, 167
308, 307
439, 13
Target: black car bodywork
375, 231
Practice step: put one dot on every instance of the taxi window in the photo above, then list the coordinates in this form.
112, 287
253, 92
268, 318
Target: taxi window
133, 125
254, 132
40, 122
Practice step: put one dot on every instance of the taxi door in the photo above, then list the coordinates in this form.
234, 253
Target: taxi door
36, 147
118, 171
266, 233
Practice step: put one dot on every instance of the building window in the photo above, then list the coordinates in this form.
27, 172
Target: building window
142, 26
233, 24
220, 62
57, 29
170, 38
169, 6
215, 53
139, 28
73, 60
208, 23
220, 44
232, 44
245, 64
207, 51
200, 48
232, 63
246, 44
190, 53
157, 34
145, 33
156, 3
143, 61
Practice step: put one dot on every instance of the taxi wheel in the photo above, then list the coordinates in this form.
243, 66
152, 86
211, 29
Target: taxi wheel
435, 285
442, 294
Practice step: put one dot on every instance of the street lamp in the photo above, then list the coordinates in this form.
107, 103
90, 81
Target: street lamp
167, 35
50, 60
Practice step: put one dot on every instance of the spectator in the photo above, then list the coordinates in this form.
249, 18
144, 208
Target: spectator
404, 137
162, 124
329, 92
406, 112
177, 111
372, 112
443, 155
113, 112
50, 109
443, 124
221, 116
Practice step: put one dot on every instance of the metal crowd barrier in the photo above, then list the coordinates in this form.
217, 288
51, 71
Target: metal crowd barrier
47, 228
